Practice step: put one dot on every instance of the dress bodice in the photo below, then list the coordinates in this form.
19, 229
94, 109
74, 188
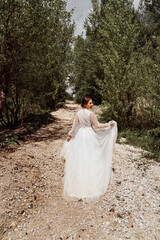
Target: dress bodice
85, 118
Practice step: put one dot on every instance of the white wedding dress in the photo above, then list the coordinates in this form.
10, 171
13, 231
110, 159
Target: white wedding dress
88, 157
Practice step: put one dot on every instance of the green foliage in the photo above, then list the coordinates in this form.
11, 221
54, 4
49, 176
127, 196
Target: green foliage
84, 67
12, 140
35, 56
35, 121
120, 62
148, 140
151, 16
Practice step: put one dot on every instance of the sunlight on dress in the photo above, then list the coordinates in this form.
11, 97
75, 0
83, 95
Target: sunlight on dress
88, 157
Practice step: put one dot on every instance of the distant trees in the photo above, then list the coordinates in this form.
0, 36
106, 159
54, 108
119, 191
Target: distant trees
85, 61
83, 71
35, 57
118, 61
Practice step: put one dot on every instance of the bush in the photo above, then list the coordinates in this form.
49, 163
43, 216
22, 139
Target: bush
35, 121
148, 140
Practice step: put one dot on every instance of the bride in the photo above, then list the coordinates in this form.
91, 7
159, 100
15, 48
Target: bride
88, 155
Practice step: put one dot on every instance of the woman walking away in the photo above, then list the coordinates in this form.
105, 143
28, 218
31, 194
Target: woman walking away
88, 155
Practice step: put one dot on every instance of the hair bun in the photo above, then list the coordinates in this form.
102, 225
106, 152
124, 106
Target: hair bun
85, 100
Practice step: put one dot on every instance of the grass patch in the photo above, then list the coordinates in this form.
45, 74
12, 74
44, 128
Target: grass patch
12, 140
148, 140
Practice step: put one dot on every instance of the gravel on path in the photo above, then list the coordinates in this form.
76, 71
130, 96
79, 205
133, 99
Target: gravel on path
31, 203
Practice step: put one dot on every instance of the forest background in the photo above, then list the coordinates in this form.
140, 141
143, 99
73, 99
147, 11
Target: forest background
117, 63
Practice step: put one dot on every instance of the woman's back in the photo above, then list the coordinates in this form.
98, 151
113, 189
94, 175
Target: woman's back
84, 118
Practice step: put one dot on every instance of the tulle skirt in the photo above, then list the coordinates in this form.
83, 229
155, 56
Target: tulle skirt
88, 163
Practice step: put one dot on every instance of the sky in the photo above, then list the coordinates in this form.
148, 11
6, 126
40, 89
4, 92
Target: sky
82, 9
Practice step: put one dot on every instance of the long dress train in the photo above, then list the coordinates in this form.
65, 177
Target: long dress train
88, 157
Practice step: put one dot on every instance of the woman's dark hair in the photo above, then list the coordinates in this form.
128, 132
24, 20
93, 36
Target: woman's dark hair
85, 100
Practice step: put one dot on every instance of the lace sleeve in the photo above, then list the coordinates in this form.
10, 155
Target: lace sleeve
95, 123
75, 127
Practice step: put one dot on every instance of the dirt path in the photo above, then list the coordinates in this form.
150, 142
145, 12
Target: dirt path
32, 207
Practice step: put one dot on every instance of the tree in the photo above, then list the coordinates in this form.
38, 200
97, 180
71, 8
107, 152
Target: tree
121, 65
152, 16
83, 76
35, 56
84, 68
119, 59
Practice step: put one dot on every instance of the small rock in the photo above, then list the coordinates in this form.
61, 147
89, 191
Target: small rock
13, 224
119, 215
30, 205
112, 210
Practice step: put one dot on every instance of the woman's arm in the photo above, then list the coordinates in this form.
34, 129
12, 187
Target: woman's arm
74, 129
96, 124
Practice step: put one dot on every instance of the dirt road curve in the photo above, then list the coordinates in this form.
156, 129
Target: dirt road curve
32, 207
